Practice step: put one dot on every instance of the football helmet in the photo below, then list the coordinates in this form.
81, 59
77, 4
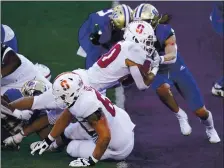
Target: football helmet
141, 33
121, 16
148, 13
33, 88
67, 88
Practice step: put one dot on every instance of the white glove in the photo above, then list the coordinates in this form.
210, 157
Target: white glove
43, 145
155, 60
22, 114
14, 141
83, 162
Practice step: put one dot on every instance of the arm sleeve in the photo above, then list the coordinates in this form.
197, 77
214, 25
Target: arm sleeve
136, 74
44, 101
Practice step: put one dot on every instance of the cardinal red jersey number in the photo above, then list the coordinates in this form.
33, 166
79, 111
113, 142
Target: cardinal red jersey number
107, 103
109, 57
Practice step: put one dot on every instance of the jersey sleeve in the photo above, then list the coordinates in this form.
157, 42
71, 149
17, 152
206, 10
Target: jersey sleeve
163, 32
134, 52
86, 105
44, 101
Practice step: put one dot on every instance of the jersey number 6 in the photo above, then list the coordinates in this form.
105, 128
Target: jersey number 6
109, 57
107, 103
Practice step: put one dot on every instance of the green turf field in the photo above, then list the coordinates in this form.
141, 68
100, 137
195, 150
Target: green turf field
47, 33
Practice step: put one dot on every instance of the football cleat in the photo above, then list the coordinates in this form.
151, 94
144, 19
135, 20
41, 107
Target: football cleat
218, 90
212, 135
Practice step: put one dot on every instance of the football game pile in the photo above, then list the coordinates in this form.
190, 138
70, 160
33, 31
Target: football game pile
122, 47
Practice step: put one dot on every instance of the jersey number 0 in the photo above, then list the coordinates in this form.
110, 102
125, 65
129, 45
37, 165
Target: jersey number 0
109, 57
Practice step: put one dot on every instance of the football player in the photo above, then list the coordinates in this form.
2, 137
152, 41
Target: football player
217, 19
102, 30
8, 37
96, 135
16, 70
124, 58
39, 121
173, 71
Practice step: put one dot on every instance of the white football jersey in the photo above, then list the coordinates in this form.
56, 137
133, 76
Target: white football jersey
111, 66
90, 101
26, 68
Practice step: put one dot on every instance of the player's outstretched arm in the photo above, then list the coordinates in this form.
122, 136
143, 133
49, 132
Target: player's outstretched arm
99, 122
24, 103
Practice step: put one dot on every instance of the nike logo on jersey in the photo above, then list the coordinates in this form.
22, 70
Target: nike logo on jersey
182, 68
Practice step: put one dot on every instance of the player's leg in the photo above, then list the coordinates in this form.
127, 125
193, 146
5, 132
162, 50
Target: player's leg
162, 86
85, 148
218, 88
188, 88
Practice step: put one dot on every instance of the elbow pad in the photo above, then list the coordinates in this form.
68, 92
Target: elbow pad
137, 76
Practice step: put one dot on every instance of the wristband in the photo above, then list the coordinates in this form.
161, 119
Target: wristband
162, 59
50, 137
92, 160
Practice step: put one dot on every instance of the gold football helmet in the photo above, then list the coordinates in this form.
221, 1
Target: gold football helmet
33, 88
147, 12
121, 16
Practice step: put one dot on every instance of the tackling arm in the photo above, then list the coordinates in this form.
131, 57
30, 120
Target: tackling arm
99, 122
24, 103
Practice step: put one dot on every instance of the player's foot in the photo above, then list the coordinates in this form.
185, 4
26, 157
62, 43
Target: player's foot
185, 127
184, 124
50, 149
212, 135
218, 90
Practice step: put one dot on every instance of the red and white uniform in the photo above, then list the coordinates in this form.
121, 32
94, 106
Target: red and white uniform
83, 143
111, 66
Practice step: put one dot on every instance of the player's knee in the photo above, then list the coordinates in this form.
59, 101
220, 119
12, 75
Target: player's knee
72, 149
202, 112
164, 91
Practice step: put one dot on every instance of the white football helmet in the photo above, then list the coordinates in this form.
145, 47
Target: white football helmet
141, 33
67, 88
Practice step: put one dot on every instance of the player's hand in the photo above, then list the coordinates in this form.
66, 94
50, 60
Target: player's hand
95, 35
155, 60
82, 162
42, 146
23, 114
12, 142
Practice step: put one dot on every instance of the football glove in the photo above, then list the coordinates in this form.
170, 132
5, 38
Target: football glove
95, 35
14, 141
22, 114
83, 162
42, 146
